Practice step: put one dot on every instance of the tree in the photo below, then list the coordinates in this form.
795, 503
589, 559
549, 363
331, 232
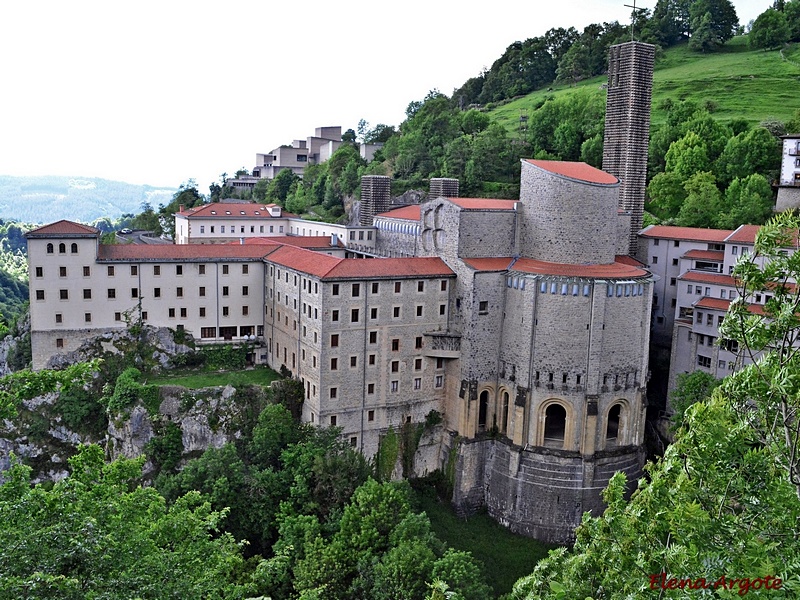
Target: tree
666, 194
688, 156
690, 388
754, 151
279, 187
747, 201
702, 202
98, 534
713, 23
27, 384
770, 30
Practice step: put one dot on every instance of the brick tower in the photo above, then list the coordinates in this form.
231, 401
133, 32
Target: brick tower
627, 130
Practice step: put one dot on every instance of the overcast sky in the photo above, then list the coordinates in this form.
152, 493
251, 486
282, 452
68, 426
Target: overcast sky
158, 92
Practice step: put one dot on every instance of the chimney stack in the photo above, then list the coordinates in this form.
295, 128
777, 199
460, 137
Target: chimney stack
375, 197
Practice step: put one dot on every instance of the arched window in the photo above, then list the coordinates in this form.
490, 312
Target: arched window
483, 409
555, 425
74, 248
62, 248
612, 425
504, 414
49, 248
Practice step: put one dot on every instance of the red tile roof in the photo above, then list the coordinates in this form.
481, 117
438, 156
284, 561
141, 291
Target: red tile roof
495, 263
231, 210
714, 255
329, 267
702, 277
722, 305
407, 213
575, 170
615, 270
624, 259
483, 203
183, 252
744, 234
390, 267
63, 228
690, 234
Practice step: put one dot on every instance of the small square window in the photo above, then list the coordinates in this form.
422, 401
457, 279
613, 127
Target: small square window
60, 318
112, 293
63, 294
59, 342
62, 271
483, 307
40, 294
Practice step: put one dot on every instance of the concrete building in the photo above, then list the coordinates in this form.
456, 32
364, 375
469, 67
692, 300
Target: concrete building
789, 182
497, 314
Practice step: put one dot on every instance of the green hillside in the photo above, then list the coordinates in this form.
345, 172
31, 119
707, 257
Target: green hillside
736, 82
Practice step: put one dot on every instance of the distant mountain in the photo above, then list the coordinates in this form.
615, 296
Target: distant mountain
50, 198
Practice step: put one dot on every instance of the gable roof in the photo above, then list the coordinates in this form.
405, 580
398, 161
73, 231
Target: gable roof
703, 277
407, 213
64, 228
230, 210
744, 234
483, 203
690, 234
708, 303
578, 171
715, 255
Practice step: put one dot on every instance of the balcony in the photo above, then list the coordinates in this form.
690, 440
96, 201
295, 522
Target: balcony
442, 345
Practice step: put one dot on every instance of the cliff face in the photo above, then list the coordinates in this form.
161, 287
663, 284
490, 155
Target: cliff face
205, 418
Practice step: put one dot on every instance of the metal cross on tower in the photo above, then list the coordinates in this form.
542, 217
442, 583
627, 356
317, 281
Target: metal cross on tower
633, 16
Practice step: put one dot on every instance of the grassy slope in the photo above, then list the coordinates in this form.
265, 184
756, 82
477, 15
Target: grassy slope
752, 84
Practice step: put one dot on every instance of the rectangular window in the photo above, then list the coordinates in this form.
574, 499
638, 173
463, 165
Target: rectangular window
417, 383
440, 363
397, 287
134, 270
112, 293
245, 311
334, 340
87, 317
202, 291
334, 315
418, 342
356, 290
157, 270
655, 260
60, 318
673, 280
373, 313
442, 309
225, 290
704, 361
245, 290
245, 269
62, 271
395, 386
371, 360
335, 289
63, 294
110, 270
354, 315
418, 364
373, 337
225, 311
201, 269
420, 286
371, 390
40, 294
375, 287
674, 262
483, 308
225, 269
395, 344
118, 316
334, 364
438, 381
183, 313
171, 313
202, 311
333, 393
371, 413
444, 285
353, 361
87, 271
39, 272
178, 269
156, 292
179, 292
134, 292
59, 342
396, 312
419, 311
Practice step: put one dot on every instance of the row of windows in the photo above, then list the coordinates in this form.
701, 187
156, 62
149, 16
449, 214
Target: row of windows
394, 386
355, 313
625, 289
134, 270
111, 293
407, 228
355, 288
394, 366
171, 312
360, 235
62, 248
698, 317
232, 229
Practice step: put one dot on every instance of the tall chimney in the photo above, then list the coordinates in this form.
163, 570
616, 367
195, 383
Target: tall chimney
443, 187
375, 197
